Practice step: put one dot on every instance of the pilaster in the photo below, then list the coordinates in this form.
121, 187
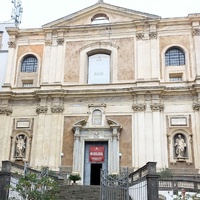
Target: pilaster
60, 59
10, 70
196, 108
195, 22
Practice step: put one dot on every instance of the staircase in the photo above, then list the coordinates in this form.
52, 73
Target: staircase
79, 192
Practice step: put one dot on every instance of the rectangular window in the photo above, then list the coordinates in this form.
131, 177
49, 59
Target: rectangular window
27, 84
175, 77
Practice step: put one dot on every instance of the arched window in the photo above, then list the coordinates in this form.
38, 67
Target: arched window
97, 117
174, 57
29, 64
99, 69
100, 18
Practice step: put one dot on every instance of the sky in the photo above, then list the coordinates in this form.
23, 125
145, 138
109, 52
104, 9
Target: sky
39, 12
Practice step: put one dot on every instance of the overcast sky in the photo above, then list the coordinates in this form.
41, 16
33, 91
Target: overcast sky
39, 12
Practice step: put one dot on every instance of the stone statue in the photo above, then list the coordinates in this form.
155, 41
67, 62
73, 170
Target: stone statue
20, 146
180, 146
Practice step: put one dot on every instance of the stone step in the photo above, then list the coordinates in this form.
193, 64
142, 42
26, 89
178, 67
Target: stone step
79, 192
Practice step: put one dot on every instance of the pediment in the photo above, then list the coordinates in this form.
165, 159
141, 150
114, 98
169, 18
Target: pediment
115, 15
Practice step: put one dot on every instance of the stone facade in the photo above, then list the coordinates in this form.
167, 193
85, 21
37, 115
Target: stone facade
141, 110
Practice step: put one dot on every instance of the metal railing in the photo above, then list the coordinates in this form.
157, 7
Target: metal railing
143, 183
114, 186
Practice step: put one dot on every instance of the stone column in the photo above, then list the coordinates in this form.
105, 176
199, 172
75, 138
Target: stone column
154, 55
115, 151
46, 61
158, 150
139, 144
39, 155
195, 26
60, 61
56, 134
76, 153
11, 65
196, 38
6, 124
196, 108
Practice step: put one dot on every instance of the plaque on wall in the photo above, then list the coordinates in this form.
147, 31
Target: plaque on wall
23, 124
178, 121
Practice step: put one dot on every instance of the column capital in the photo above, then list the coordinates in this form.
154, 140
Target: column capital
138, 107
41, 110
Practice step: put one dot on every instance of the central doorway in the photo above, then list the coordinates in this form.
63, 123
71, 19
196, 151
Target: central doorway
95, 174
92, 167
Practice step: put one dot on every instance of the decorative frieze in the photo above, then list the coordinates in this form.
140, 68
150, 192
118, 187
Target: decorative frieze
157, 107
11, 44
41, 110
196, 32
48, 42
153, 35
5, 111
60, 41
139, 107
140, 36
196, 106
57, 109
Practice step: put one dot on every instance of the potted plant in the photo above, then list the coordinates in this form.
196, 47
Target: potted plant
74, 178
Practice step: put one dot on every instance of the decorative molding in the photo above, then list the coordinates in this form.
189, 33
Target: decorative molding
41, 110
96, 105
178, 121
60, 41
48, 42
140, 36
5, 111
153, 35
196, 32
57, 109
196, 106
139, 107
157, 107
12, 44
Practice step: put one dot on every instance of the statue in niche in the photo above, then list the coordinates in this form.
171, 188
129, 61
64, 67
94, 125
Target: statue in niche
180, 147
20, 146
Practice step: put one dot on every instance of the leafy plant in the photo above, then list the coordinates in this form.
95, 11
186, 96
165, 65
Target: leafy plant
32, 187
166, 173
74, 177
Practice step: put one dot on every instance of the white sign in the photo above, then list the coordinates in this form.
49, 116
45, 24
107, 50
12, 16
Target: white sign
23, 124
99, 69
178, 121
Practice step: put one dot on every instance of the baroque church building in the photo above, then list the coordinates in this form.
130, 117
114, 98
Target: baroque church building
105, 87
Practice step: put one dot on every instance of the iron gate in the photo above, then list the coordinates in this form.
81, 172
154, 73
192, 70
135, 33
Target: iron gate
114, 186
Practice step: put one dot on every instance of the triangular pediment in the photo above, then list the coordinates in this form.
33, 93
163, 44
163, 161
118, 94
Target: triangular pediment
115, 15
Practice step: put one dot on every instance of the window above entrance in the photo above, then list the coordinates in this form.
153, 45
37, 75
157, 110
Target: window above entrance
97, 117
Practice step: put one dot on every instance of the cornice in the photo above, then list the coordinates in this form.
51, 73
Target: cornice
98, 90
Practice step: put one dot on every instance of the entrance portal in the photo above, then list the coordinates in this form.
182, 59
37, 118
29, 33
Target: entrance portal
95, 159
95, 174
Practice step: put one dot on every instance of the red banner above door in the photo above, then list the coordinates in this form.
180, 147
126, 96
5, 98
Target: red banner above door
96, 154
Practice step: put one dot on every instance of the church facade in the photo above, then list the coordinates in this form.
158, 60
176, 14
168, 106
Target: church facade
105, 87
